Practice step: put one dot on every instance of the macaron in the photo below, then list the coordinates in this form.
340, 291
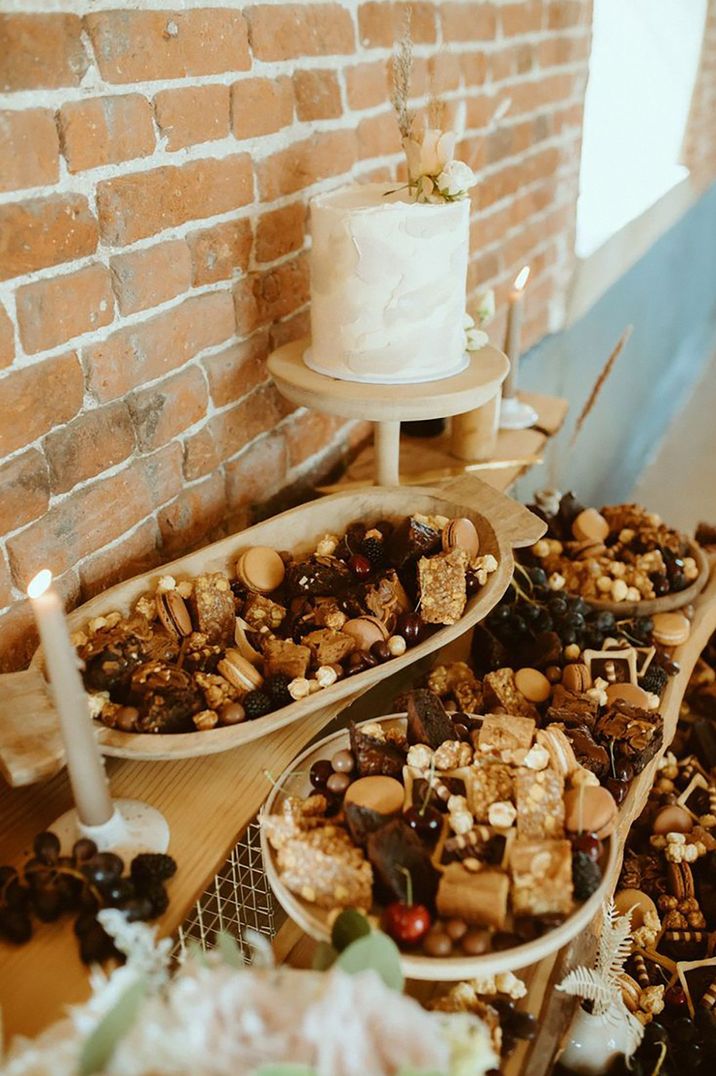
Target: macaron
461, 534
631, 693
235, 668
670, 629
577, 678
384, 795
533, 684
366, 630
173, 613
260, 569
560, 750
640, 902
590, 809
630, 991
590, 524
672, 819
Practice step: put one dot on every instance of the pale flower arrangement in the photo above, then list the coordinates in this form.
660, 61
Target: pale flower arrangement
216, 1015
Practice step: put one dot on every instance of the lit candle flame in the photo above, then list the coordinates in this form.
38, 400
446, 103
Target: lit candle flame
40, 583
521, 279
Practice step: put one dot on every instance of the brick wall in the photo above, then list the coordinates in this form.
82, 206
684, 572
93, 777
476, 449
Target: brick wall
155, 168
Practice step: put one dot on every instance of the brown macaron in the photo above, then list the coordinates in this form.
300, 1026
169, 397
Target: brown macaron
672, 819
366, 630
384, 795
670, 629
638, 902
576, 678
590, 525
590, 809
260, 569
173, 613
461, 533
240, 673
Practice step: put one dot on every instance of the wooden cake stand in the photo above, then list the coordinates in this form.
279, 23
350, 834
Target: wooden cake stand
388, 405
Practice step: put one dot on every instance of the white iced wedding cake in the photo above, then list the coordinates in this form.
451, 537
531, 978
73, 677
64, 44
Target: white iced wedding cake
388, 279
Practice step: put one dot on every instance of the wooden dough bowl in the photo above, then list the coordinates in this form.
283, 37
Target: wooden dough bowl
668, 602
30, 746
314, 921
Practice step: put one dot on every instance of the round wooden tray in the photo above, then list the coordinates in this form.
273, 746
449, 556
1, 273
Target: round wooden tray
314, 921
501, 524
668, 602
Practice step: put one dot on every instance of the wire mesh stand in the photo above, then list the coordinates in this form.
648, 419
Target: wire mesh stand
239, 898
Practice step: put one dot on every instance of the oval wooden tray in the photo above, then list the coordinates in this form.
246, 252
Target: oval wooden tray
313, 920
501, 523
668, 602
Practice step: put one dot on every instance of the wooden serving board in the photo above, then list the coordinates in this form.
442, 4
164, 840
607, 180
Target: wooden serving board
30, 745
668, 602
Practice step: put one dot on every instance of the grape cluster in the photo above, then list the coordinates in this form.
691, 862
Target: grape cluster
50, 885
675, 1044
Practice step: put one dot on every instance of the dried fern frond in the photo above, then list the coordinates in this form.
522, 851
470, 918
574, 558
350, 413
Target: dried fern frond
615, 944
588, 984
599, 383
402, 72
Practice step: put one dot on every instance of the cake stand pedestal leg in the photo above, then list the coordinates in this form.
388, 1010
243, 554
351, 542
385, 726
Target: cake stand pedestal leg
386, 440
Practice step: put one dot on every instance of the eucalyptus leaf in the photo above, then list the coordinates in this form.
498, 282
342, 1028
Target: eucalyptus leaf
348, 927
101, 1044
285, 1069
229, 950
194, 951
376, 952
324, 956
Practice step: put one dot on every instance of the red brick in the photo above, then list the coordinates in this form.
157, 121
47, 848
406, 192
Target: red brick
308, 434
260, 106
238, 370
7, 338
474, 68
19, 632
43, 232
52, 311
367, 84
521, 18
89, 519
194, 518
281, 291
382, 24
5, 584
280, 232
38, 397
200, 455
140, 353
246, 307
563, 14
41, 52
378, 135
258, 473
106, 130
220, 252
133, 555
146, 278
329, 153
468, 21
192, 114
136, 46
134, 206
24, 491
290, 329
94, 442
29, 149
292, 30
444, 72
318, 96
563, 50
169, 408
257, 413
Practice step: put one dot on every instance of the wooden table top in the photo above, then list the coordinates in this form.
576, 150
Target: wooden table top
208, 803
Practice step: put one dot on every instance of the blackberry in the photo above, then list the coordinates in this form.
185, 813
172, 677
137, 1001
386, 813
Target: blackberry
257, 703
276, 687
586, 875
654, 680
157, 896
374, 551
152, 867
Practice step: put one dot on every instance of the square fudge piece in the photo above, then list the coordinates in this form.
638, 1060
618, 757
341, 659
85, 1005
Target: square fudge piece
443, 591
283, 656
539, 798
505, 732
329, 647
541, 877
487, 782
501, 693
478, 897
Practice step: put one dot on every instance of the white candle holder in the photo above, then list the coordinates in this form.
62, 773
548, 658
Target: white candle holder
515, 414
134, 827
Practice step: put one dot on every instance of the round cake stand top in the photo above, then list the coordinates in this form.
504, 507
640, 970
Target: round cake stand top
471, 388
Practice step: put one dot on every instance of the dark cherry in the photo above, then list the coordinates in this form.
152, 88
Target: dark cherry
462, 732
406, 923
671, 668
426, 822
410, 626
624, 771
618, 789
320, 772
381, 651
47, 847
675, 997
360, 566
588, 843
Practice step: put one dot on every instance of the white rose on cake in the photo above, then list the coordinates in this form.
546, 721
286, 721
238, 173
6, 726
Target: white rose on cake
455, 180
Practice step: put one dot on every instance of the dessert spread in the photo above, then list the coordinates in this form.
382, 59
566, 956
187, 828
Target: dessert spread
214, 650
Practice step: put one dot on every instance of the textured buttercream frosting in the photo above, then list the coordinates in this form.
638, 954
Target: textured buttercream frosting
388, 280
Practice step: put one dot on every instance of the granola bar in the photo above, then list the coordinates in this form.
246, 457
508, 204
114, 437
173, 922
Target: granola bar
443, 591
488, 781
505, 732
284, 656
212, 604
540, 803
477, 897
541, 877
328, 646
260, 612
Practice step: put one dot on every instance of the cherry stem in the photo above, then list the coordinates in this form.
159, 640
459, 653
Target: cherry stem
408, 885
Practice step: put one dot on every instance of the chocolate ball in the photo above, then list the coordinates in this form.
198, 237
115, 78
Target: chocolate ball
232, 713
381, 651
410, 626
126, 719
437, 943
343, 762
337, 783
475, 942
320, 772
456, 929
